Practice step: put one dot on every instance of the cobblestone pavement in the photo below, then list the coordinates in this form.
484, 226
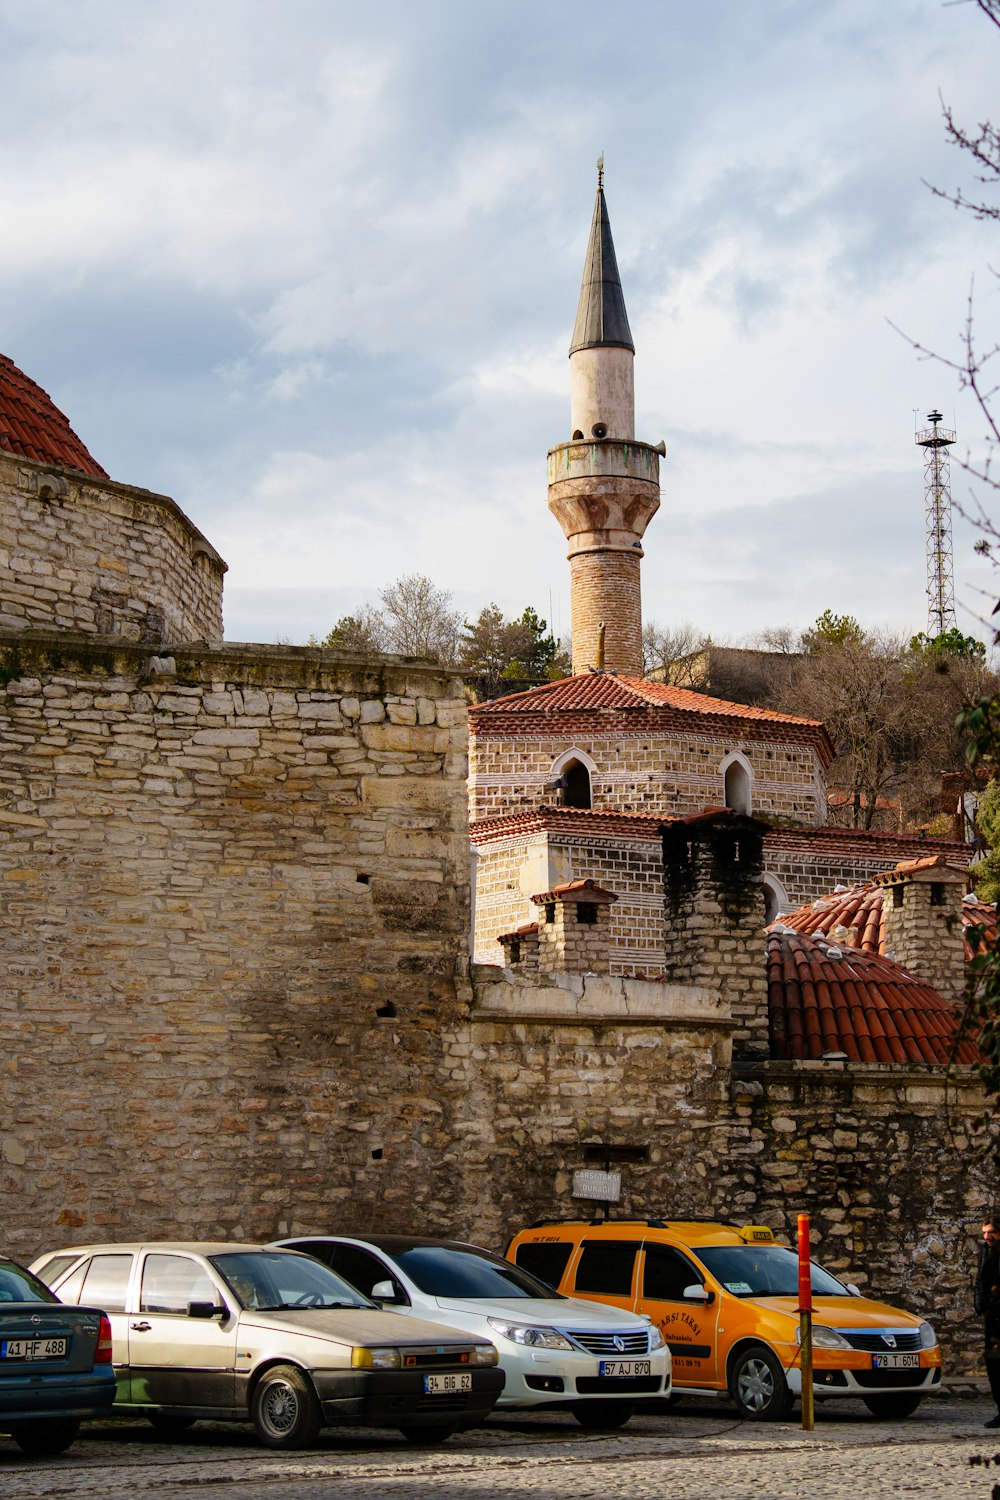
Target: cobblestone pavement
699, 1450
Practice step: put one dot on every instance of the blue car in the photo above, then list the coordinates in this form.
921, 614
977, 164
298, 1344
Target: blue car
55, 1363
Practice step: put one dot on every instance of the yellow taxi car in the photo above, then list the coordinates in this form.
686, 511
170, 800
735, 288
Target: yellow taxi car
726, 1301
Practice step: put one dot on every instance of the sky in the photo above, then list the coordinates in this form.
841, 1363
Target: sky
312, 269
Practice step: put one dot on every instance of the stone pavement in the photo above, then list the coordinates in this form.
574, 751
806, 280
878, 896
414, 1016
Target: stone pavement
699, 1451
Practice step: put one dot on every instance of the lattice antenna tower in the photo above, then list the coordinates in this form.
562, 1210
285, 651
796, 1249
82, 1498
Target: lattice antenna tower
935, 441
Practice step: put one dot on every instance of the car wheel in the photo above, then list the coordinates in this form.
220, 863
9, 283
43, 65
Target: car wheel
602, 1416
427, 1437
39, 1438
892, 1406
169, 1426
285, 1411
758, 1386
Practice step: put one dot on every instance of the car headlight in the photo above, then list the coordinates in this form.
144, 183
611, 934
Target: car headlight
376, 1359
534, 1335
484, 1354
656, 1339
824, 1338
928, 1338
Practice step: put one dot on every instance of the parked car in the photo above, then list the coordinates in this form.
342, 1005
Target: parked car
554, 1351
249, 1333
55, 1363
726, 1301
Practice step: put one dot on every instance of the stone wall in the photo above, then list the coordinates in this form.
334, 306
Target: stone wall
84, 554
638, 769
233, 904
509, 871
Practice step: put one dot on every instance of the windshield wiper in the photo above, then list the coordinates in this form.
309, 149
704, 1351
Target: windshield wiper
305, 1306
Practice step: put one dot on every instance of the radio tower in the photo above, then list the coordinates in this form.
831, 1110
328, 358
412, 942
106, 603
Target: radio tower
935, 441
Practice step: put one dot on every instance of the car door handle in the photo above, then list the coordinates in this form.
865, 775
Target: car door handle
141, 1327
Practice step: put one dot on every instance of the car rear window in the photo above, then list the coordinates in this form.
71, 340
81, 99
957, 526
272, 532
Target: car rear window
18, 1285
606, 1266
546, 1261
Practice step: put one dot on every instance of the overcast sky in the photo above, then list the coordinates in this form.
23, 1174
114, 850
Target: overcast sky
311, 268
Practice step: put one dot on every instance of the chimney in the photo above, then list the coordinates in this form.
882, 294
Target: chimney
574, 928
714, 917
520, 948
922, 921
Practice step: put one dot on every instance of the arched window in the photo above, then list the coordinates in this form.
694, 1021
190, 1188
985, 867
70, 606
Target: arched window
775, 900
572, 772
738, 782
577, 792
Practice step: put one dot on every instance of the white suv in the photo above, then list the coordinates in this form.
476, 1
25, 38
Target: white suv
555, 1351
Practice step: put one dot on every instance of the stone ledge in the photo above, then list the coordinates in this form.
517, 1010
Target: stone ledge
509, 994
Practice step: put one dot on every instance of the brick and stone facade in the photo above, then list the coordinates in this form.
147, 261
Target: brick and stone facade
922, 922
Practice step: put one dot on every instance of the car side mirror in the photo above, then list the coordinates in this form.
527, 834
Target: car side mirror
854, 1290
699, 1293
385, 1291
205, 1310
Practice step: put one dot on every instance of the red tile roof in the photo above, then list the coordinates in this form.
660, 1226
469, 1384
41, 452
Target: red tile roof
574, 890
32, 426
858, 911
610, 691
826, 998
578, 820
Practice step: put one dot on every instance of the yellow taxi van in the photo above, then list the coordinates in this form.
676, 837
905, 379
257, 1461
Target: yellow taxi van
726, 1301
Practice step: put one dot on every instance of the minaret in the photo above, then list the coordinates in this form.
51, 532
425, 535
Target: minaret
604, 486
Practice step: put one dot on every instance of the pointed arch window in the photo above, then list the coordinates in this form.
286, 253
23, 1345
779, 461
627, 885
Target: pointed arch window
737, 774
775, 899
572, 773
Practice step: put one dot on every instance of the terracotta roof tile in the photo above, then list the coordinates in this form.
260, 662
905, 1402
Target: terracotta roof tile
574, 889
826, 997
579, 820
610, 691
854, 917
32, 426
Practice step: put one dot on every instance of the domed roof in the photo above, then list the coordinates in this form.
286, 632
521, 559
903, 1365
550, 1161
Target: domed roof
32, 426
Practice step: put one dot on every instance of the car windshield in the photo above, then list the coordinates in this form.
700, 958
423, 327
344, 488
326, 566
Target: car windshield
444, 1271
18, 1285
276, 1280
765, 1271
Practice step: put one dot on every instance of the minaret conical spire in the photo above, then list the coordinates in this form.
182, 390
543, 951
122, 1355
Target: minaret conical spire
601, 318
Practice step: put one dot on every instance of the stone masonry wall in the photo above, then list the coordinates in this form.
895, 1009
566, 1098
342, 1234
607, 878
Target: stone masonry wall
639, 771
233, 904
85, 554
632, 868
812, 863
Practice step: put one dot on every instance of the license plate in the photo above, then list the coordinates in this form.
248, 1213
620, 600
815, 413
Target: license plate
615, 1369
895, 1361
32, 1348
445, 1385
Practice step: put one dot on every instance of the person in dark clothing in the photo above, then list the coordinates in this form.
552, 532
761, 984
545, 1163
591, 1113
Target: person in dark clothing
987, 1304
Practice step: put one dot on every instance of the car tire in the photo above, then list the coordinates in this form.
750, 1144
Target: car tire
602, 1416
893, 1406
284, 1409
429, 1436
758, 1386
167, 1425
44, 1438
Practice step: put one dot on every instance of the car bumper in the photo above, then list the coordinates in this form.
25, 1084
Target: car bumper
393, 1398
859, 1383
26, 1398
554, 1379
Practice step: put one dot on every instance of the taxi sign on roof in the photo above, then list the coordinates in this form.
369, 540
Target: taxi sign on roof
756, 1234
